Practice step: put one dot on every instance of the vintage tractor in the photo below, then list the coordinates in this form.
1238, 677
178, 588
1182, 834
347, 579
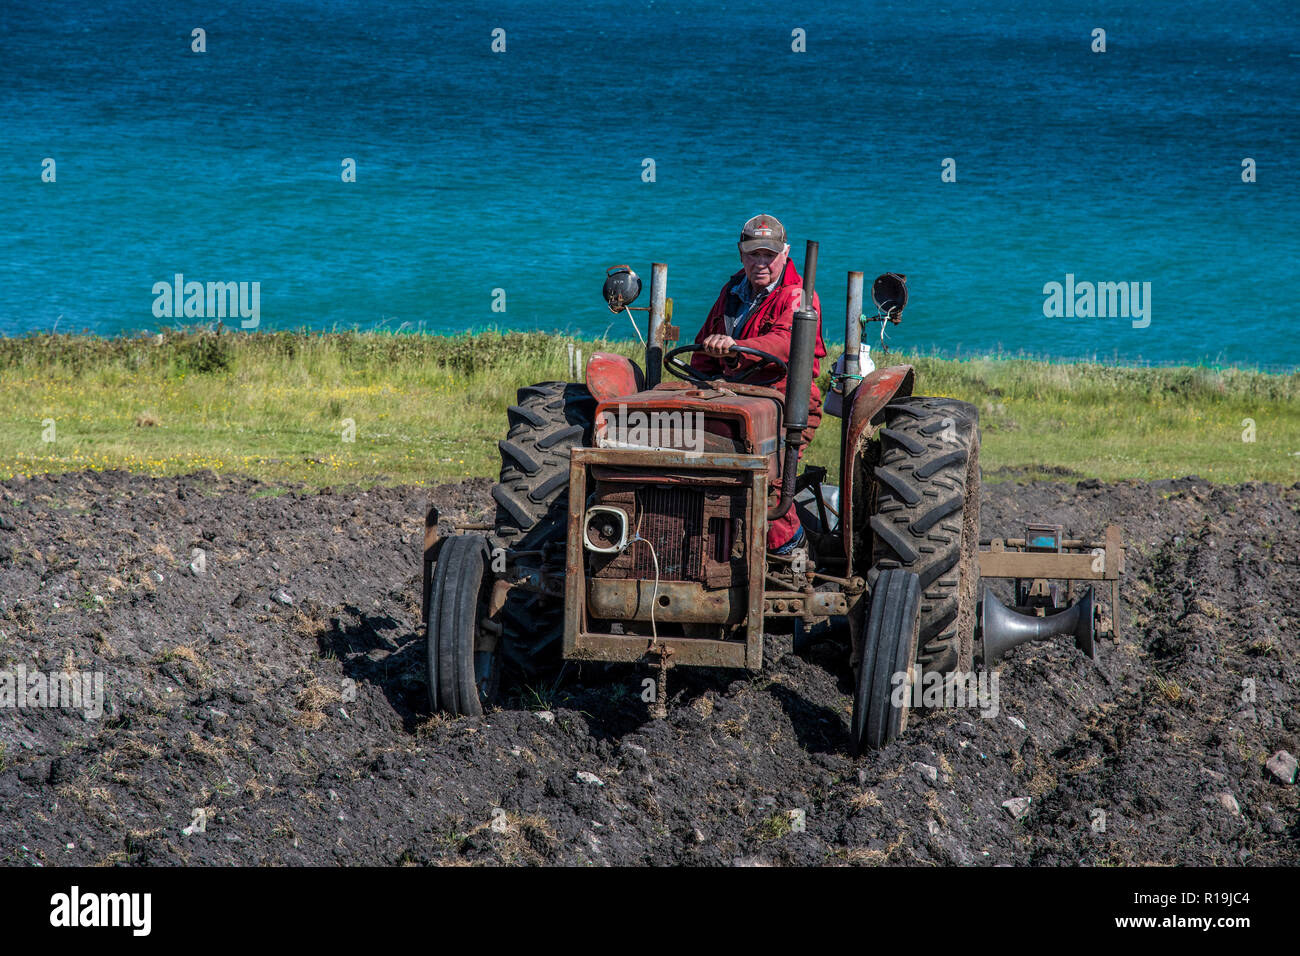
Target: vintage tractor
631, 520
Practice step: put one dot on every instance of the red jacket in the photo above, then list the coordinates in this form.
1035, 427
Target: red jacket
767, 329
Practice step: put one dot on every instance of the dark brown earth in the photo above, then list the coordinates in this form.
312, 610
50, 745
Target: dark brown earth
223, 698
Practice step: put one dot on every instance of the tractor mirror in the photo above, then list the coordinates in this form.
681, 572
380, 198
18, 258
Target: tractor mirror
622, 286
889, 292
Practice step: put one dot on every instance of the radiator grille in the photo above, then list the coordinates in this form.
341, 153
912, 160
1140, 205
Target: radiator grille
672, 519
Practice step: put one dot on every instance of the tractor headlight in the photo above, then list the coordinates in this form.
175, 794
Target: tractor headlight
604, 529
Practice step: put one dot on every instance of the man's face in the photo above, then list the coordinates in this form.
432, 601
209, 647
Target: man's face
763, 266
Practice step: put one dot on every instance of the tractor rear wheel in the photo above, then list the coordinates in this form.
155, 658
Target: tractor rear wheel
884, 680
532, 496
462, 665
926, 519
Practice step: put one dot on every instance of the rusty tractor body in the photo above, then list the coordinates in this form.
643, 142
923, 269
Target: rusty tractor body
632, 517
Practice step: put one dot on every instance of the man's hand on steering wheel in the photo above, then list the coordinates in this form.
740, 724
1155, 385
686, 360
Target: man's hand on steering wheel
718, 346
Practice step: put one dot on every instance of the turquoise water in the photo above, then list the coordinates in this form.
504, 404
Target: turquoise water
522, 170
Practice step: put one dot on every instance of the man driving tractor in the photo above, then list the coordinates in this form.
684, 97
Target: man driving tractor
756, 309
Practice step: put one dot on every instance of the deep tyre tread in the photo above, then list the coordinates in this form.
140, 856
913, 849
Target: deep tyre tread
517, 413
889, 646
926, 519
522, 460
532, 495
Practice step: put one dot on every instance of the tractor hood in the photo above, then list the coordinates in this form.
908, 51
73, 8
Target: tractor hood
693, 419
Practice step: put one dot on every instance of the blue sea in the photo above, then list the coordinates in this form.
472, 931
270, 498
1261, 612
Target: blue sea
525, 169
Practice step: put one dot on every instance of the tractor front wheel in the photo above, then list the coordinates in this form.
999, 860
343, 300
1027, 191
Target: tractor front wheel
884, 684
463, 666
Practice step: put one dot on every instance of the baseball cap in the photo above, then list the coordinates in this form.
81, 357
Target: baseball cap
762, 232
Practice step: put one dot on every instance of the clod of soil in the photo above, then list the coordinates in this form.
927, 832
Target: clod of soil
265, 703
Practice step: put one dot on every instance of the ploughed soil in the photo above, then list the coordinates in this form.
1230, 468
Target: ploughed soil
278, 688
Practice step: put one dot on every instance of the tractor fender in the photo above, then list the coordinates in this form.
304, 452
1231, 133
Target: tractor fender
875, 392
613, 376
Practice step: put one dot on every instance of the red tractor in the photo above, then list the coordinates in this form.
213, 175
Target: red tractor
618, 541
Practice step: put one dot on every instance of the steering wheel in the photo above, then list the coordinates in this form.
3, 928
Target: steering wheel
691, 374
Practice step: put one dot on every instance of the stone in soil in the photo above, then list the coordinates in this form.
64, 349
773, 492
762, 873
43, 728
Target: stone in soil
1282, 766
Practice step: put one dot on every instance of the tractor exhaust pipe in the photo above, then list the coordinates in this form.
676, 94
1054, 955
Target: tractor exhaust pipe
798, 388
852, 338
852, 359
654, 346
